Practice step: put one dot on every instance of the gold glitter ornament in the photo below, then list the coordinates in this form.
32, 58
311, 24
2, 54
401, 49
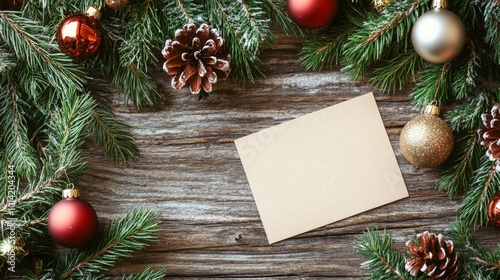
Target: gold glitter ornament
116, 4
427, 140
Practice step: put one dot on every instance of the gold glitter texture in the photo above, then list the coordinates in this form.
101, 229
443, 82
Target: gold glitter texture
426, 140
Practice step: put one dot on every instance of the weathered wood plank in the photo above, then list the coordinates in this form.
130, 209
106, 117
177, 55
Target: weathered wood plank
190, 171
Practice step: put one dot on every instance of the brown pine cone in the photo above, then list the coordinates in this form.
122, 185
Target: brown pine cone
433, 256
197, 58
490, 134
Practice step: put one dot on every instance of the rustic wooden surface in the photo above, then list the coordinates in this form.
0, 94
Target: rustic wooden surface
190, 171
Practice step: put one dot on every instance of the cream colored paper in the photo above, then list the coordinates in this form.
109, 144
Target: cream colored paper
321, 168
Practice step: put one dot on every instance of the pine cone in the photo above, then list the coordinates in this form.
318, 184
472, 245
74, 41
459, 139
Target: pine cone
197, 58
433, 256
490, 134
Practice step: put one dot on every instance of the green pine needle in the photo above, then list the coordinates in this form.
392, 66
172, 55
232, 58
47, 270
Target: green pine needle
383, 262
117, 241
484, 184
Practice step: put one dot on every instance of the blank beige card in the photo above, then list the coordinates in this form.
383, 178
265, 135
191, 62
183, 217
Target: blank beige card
321, 168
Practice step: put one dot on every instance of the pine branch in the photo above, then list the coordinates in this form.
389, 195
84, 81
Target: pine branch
492, 24
180, 12
245, 29
474, 204
434, 84
467, 116
118, 240
476, 261
142, 33
395, 74
114, 136
458, 173
383, 262
16, 139
26, 39
7, 60
147, 274
276, 10
384, 36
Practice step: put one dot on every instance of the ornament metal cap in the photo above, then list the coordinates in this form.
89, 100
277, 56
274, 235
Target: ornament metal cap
70, 193
432, 109
93, 12
440, 4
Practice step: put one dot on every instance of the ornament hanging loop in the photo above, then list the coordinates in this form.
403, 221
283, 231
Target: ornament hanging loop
440, 4
433, 108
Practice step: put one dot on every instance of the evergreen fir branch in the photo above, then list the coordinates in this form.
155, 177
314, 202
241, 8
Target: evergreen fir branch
476, 261
243, 25
137, 86
492, 24
27, 41
118, 240
326, 51
16, 139
114, 136
276, 9
7, 60
180, 12
458, 172
396, 73
474, 204
142, 32
377, 37
147, 274
383, 261
467, 116
434, 84
464, 79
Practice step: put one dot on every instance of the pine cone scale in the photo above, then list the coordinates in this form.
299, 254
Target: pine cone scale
490, 134
432, 256
197, 58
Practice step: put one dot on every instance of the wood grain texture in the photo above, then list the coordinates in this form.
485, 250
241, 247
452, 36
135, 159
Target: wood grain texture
190, 171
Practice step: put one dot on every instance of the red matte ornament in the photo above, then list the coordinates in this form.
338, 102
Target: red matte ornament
11, 5
312, 13
494, 211
79, 35
72, 222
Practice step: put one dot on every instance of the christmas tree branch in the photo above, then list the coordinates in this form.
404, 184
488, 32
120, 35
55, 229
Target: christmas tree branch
434, 84
142, 34
19, 151
378, 36
395, 74
383, 261
474, 204
118, 240
147, 274
180, 12
276, 9
492, 23
233, 21
476, 260
114, 136
26, 39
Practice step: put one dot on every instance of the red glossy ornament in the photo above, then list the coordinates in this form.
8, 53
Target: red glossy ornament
494, 211
72, 222
312, 13
11, 5
79, 35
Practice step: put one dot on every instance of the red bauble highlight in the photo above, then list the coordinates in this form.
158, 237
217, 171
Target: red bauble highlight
79, 36
72, 222
312, 13
494, 211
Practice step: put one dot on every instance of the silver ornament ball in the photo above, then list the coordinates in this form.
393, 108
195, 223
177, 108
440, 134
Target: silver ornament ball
438, 36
